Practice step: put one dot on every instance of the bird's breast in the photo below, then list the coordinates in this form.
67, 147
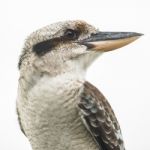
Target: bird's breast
50, 116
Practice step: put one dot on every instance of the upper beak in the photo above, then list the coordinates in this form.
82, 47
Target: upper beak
107, 41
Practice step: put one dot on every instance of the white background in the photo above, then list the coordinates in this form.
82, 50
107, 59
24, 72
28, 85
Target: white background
122, 75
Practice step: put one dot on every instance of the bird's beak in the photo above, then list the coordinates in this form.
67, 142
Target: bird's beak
107, 41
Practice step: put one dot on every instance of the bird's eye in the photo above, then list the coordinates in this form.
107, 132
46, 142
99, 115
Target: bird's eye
71, 34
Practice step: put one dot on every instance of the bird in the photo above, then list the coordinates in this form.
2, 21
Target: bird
57, 108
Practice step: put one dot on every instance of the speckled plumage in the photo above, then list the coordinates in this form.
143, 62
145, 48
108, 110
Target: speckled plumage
100, 119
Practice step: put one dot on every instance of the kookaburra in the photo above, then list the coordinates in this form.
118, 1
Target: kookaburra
57, 108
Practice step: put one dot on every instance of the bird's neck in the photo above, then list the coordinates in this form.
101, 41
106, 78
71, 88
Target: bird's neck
49, 109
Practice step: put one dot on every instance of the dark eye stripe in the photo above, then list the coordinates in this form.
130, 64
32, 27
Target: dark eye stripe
43, 47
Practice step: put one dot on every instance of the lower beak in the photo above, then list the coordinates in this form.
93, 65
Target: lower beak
107, 41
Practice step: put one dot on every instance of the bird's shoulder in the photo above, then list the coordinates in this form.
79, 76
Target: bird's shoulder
99, 118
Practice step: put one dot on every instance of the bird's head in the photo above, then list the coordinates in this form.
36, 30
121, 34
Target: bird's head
68, 46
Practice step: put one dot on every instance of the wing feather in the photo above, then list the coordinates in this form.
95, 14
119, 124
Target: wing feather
100, 119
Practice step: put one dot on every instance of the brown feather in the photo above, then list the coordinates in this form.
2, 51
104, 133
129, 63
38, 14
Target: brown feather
100, 118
